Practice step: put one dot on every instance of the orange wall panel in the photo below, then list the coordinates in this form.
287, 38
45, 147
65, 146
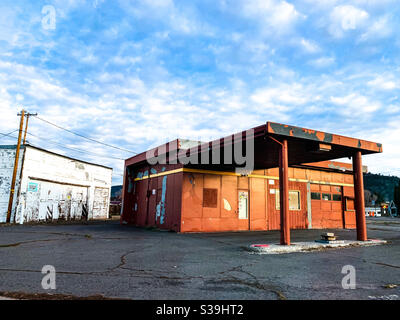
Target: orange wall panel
348, 192
210, 225
299, 174
229, 224
192, 196
259, 225
337, 177
191, 225
326, 176
325, 188
314, 175
229, 193
348, 179
257, 199
243, 225
314, 187
350, 219
273, 172
243, 183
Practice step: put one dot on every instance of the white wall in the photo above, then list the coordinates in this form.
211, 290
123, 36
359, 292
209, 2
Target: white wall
7, 158
54, 187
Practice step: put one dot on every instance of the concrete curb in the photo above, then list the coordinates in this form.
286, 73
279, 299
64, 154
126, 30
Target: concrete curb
310, 246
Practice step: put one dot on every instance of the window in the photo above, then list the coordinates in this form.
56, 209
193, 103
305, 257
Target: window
315, 196
337, 197
210, 198
294, 200
326, 196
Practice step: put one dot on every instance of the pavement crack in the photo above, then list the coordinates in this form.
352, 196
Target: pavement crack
387, 265
254, 284
123, 261
16, 244
58, 272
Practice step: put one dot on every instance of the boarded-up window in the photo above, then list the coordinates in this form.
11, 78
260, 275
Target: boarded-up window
210, 198
294, 200
350, 204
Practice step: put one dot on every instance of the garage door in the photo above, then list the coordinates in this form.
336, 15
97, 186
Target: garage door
100, 204
326, 206
49, 201
297, 206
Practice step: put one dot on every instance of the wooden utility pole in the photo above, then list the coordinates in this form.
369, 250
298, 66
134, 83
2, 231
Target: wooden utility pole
14, 177
26, 124
26, 127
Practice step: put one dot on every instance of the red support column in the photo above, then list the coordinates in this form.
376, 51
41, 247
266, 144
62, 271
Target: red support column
359, 197
284, 193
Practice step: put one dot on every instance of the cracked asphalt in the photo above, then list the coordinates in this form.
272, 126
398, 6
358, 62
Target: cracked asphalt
105, 258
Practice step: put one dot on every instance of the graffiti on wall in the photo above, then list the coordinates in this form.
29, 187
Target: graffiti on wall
160, 209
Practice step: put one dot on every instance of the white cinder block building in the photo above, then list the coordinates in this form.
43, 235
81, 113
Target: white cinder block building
50, 187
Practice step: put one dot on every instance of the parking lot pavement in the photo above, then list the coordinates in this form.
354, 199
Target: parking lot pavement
114, 261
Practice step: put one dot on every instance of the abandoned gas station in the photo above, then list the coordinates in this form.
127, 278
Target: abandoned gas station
292, 183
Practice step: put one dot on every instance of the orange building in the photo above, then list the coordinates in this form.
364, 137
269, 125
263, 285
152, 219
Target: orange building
198, 197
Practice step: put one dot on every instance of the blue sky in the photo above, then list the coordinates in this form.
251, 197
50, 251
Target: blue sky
139, 73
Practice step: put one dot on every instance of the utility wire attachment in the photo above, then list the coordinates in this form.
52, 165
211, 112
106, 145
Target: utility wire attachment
82, 136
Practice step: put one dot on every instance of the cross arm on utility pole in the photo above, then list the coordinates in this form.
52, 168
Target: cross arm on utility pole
27, 115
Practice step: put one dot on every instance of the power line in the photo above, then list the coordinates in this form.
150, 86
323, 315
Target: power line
65, 147
82, 136
8, 134
74, 149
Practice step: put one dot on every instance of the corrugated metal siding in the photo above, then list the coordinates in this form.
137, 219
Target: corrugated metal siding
327, 213
153, 201
297, 218
52, 201
55, 187
7, 158
263, 214
184, 208
258, 204
349, 216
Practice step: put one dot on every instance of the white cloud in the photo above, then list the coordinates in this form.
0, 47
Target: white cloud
275, 16
309, 46
392, 109
355, 104
384, 83
345, 18
322, 62
281, 97
179, 19
126, 60
379, 29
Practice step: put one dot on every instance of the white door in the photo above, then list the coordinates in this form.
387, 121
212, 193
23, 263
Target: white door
100, 204
243, 205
